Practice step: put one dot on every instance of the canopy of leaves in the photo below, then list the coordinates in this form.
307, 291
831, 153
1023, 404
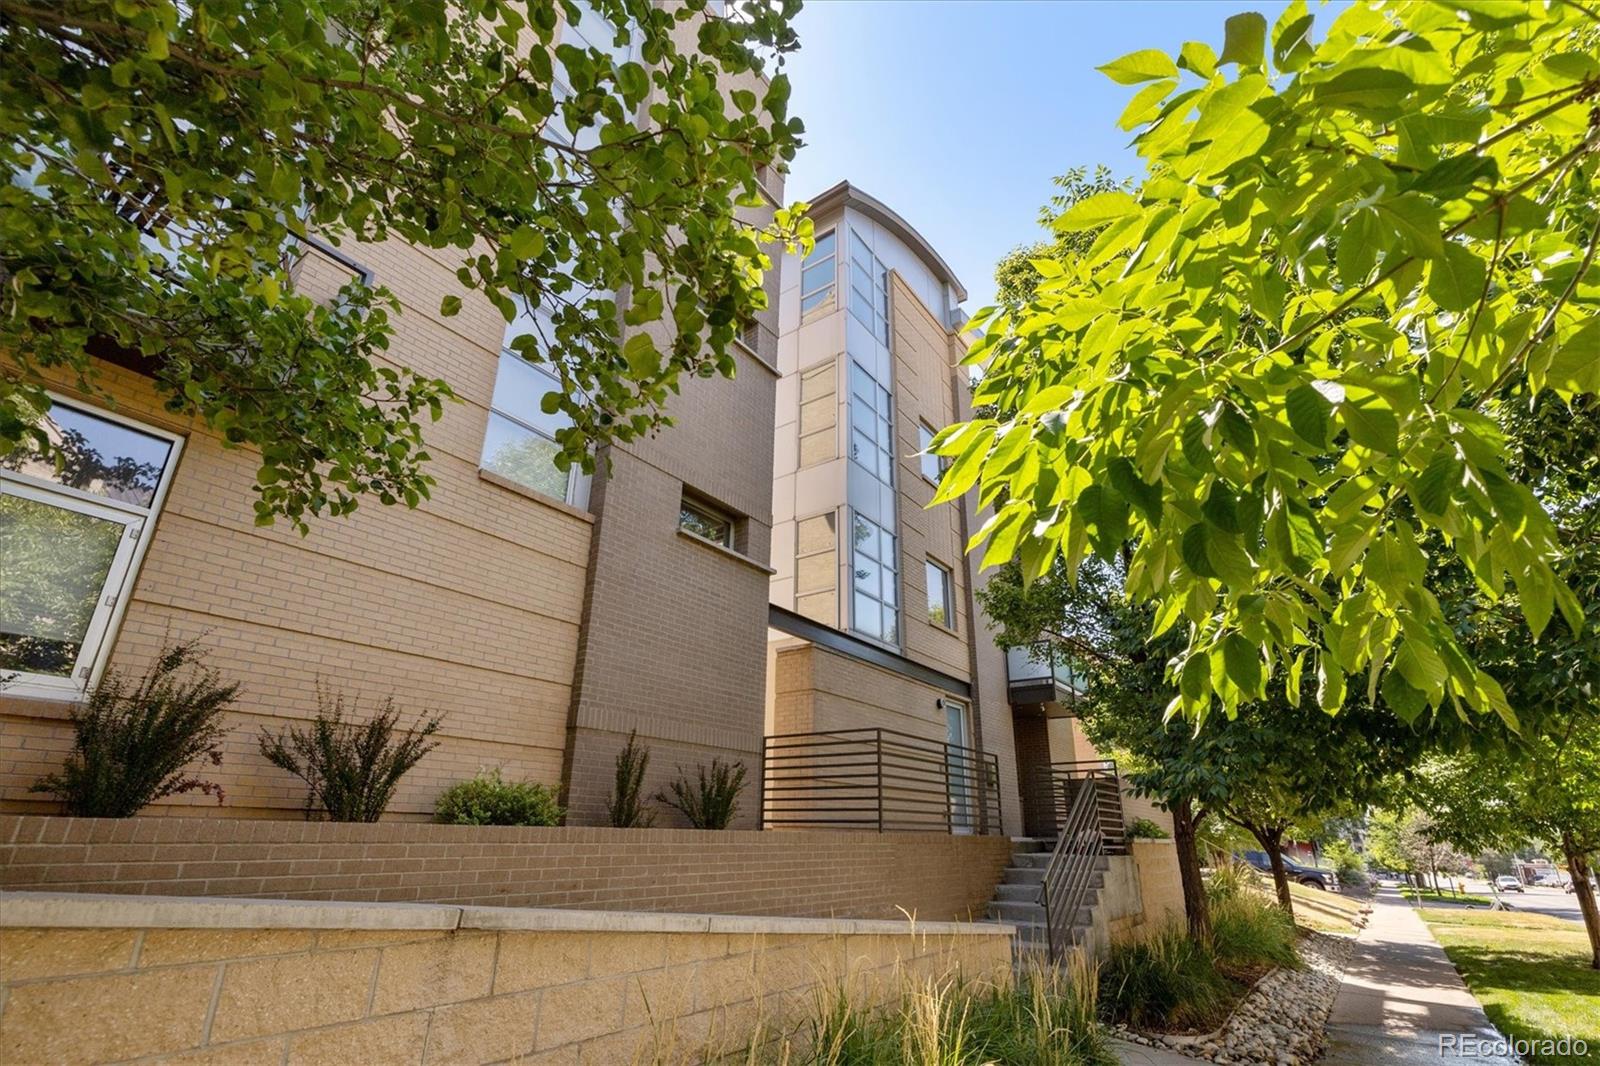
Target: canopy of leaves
1268, 372
166, 162
1016, 278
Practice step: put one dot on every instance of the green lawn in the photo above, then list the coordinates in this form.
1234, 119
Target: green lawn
1433, 895
1530, 971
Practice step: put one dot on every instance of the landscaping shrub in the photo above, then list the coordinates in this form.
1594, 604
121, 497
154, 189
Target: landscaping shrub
130, 747
1145, 829
1166, 983
625, 809
488, 799
1251, 934
1350, 867
350, 768
710, 801
1044, 1018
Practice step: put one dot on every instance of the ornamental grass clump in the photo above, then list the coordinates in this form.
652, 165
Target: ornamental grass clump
350, 768
489, 799
1168, 982
130, 746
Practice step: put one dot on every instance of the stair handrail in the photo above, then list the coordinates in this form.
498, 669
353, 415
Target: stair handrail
1068, 874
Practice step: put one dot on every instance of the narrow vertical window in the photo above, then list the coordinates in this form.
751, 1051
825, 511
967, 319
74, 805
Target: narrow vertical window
939, 602
818, 275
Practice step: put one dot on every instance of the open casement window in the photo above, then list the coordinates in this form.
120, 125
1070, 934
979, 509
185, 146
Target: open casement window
70, 543
520, 441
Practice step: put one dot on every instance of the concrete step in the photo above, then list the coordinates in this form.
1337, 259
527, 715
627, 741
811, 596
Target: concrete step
1005, 910
1024, 892
1040, 859
1024, 875
1029, 845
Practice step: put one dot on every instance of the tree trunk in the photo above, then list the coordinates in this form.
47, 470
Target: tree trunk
1578, 867
1272, 843
1185, 826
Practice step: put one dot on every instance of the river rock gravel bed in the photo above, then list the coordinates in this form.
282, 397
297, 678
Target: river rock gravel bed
1280, 1022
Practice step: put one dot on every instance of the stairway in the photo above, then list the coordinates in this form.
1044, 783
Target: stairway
1016, 900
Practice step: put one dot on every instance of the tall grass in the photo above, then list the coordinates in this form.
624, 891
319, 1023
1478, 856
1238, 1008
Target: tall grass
1251, 934
1043, 1018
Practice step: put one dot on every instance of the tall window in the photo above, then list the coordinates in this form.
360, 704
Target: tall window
939, 609
818, 274
70, 541
520, 443
871, 425
869, 288
875, 582
932, 465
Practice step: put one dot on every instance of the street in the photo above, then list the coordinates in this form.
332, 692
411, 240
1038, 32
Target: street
1555, 902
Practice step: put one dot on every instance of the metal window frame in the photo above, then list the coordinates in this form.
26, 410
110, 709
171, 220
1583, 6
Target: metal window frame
140, 521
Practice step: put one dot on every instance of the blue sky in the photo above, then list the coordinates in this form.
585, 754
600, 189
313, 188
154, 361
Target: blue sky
957, 114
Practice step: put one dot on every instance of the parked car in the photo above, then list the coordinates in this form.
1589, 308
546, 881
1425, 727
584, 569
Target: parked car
1548, 880
1594, 883
1310, 876
1507, 883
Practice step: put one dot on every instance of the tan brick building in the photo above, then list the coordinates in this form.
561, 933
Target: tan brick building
875, 626
545, 615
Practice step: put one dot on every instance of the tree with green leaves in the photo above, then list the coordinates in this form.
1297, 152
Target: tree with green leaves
167, 164
1270, 372
1016, 278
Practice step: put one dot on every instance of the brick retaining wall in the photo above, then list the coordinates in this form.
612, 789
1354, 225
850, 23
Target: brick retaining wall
803, 873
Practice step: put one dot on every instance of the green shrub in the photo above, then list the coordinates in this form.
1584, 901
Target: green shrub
625, 809
1251, 934
1145, 829
1229, 879
710, 801
1166, 983
1347, 864
488, 799
130, 747
350, 769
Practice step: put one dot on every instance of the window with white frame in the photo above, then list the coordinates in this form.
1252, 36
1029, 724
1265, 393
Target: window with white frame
939, 602
819, 274
932, 465
520, 442
70, 539
871, 425
869, 288
875, 573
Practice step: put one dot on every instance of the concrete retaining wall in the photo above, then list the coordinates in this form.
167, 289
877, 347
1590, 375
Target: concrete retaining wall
90, 979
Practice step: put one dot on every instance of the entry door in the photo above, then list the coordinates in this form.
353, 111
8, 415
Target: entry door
960, 764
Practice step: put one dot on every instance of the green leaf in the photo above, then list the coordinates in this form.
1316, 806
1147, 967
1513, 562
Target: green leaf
1330, 685
1364, 89
1406, 701
1245, 40
1575, 366
1095, 211
1308, 412
643, 360
1243, 663
450, 306
1416, 221
1145, 65
1439, 481
526, 242
1291, 45
1198, 57
1371, 424
1455, 280
1145, 104
1144, 496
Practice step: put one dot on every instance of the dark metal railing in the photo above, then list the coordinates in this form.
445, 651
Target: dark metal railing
1054, 789
1070, 872
879, 779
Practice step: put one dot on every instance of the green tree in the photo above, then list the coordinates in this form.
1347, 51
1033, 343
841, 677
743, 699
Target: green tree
1016, 278
167, 162
1269, 372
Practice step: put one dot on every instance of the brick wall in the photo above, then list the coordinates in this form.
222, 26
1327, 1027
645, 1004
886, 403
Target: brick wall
816, 874
304, 986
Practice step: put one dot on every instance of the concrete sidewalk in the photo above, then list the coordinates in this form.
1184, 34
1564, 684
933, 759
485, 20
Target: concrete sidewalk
1401, 995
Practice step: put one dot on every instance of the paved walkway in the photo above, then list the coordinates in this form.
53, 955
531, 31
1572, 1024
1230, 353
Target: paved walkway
1402, 1002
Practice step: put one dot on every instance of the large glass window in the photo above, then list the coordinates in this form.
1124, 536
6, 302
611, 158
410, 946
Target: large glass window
939, 612
871, 425
874, 563
520, 443
69, 543
869, 288
818, 274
